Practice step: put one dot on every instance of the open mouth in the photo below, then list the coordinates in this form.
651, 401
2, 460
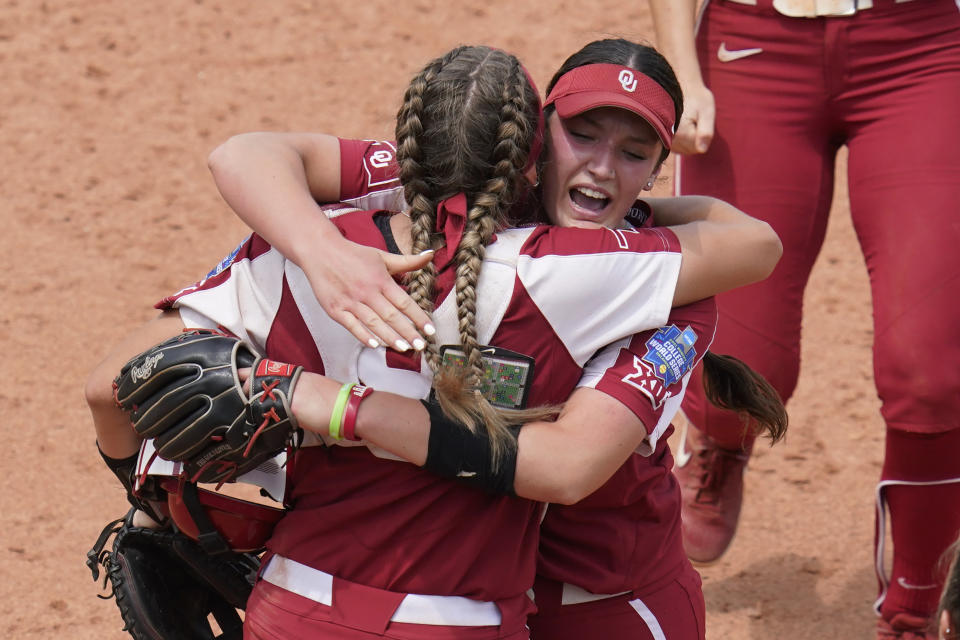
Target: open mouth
589, 199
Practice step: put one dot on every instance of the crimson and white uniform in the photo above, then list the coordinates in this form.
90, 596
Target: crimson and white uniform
617, 554
624, 539
385, 528
790, 91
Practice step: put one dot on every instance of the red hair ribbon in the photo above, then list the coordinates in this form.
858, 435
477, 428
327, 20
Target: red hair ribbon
451, 221
452, 218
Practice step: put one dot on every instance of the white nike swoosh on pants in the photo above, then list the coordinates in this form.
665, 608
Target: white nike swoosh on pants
906, 585
726, 55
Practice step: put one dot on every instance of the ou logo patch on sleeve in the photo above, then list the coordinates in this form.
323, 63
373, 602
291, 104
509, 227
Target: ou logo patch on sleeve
380, 164
381, 159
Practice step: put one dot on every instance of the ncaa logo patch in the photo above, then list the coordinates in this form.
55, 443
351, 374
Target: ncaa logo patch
670, 353
627, 80
226, 262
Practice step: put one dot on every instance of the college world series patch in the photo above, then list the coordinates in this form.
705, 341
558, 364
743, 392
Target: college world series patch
671, 354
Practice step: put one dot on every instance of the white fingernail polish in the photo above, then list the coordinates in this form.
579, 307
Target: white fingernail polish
401, 345
429, 329
419, 344
373, 343
425, 252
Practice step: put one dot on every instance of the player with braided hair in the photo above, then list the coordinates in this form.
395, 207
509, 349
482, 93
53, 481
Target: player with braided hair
641, 500
472, 552
419, 138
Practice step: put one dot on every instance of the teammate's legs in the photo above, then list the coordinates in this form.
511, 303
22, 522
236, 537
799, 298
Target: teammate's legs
772, 156
904, 189
119, 444
114, 434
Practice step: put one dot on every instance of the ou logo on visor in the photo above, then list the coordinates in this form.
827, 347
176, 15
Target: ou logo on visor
627, 80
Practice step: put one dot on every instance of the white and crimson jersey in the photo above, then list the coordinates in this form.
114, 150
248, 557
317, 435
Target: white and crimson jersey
626, 535
554, 295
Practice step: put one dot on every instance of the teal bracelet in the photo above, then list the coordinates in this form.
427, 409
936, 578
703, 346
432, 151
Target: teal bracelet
336, 417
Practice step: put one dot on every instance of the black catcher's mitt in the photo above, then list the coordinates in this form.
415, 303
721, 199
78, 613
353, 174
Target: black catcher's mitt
185, 394
166, 586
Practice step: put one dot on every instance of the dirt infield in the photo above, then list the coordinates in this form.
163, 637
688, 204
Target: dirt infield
108, 111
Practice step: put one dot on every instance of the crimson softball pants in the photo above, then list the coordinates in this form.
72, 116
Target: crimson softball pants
886, 83
674, 610
294, 601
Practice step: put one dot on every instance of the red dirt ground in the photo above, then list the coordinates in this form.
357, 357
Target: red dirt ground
108, 111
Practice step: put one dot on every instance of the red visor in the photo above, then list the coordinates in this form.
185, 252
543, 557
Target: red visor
613, 85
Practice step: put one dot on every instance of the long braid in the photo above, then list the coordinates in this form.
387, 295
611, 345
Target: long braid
488, 211
413, 176
466, 126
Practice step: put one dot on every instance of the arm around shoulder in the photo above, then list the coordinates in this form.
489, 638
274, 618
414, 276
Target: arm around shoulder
722, 247
562, 461
565, 461
273, 182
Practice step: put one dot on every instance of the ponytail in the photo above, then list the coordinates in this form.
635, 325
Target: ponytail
730, 384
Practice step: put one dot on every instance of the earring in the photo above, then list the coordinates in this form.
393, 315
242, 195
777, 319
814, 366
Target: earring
649, 184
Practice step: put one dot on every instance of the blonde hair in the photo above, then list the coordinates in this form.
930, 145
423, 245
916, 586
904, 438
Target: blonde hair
467, 125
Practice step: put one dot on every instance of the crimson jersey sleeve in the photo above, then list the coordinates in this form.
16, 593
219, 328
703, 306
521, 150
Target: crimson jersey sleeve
368, 175
649, 371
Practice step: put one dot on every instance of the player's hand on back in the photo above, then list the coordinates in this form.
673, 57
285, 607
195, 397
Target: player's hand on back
354, 285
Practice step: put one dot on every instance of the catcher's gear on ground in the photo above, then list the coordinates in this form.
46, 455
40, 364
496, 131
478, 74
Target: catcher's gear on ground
166, 586
185, 393
219, 522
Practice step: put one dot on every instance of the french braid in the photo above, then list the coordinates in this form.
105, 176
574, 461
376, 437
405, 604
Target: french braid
416, 187
466, 125
487, 213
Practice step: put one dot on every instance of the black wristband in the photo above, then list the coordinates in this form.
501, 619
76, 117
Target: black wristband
453, 451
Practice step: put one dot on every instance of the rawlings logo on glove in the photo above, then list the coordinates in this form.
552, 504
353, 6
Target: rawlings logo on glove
143, 371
